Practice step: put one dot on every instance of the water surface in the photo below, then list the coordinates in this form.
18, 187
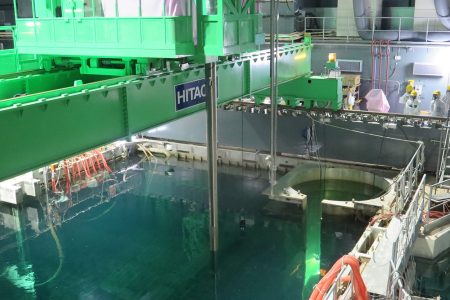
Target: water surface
152, 242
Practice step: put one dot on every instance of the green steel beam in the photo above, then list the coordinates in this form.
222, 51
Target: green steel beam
11, 61
318, 91
8, 61
39, 129
40, 82
24, 73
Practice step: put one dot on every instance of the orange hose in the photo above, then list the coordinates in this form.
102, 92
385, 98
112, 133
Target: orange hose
325, 283
91, 162
78, 168
53, 173
99, 166
437, 214
86, 168
105, 164
74, 171
67, 173
385, 216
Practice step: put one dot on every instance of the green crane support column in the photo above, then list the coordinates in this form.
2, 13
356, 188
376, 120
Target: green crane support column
211, 112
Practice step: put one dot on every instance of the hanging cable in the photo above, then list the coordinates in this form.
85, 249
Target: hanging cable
54, 235
60, 255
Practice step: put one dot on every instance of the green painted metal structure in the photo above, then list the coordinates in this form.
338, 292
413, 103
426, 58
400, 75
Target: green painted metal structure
135, 33
42, 128
39, 82
10, 60
95, 86
102, 70
309, 92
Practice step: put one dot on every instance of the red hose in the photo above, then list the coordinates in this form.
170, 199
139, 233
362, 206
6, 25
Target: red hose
95, 156
437, 214
67, 173
373, 65
78, 168
385, 216
388, 61
53, 180
380, 62
54, 189
91, 162
102, 158
74, 171
86, 168
360, 291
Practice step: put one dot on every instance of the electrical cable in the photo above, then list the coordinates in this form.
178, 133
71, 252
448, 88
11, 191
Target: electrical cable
404, 133
103, 213
366, 133
60, 255
315, 144
381, 148
102, 201
289, 7
396, 64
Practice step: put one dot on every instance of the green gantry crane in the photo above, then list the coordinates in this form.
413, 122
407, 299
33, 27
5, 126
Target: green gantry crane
112, 68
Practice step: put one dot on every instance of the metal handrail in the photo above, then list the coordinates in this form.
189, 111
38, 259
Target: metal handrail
443, 152
429, 26
443, 185
333, 292
410, 222
406, 182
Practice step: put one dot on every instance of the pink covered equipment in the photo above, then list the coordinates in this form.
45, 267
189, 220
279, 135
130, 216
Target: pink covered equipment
377, 101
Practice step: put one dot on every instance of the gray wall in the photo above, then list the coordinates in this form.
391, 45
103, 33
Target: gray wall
6, 12
252, 131
403, 72
333, 3
287, 20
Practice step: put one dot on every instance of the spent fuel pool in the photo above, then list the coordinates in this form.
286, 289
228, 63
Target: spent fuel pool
151, 241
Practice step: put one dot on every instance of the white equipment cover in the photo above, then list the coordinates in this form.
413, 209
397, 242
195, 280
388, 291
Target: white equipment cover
149, 8
377, 101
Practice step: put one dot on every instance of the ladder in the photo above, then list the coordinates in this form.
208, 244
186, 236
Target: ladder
443, 171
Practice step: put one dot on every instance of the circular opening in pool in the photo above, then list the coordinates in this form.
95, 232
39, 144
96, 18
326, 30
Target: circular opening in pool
340, 190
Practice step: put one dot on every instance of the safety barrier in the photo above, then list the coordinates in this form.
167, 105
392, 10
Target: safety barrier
410, 222
332, 28
406, 182
439, 201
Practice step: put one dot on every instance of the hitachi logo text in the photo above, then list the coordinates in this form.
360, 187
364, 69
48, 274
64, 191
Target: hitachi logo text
191, 94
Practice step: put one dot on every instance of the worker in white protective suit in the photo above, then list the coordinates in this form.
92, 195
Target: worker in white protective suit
412, 105
408, 90
446, 100
438, 106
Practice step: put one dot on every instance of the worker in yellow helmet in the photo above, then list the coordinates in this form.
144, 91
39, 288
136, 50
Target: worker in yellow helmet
412, 105
408, 90
410, 86
438, 106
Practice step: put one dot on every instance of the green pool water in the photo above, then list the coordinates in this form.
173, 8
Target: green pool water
316, 191
152, 242
433, 277
343, 190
